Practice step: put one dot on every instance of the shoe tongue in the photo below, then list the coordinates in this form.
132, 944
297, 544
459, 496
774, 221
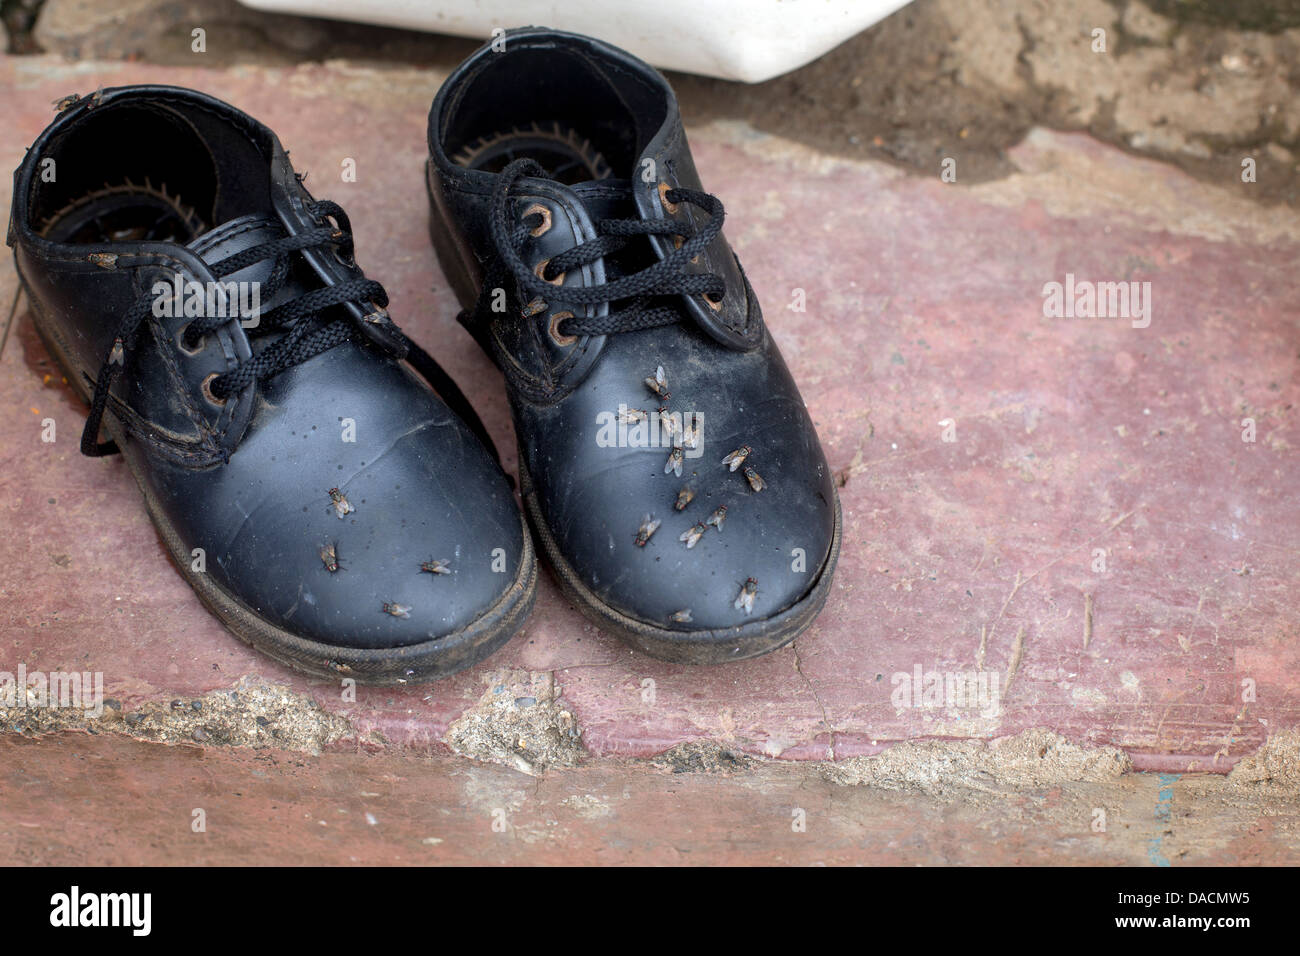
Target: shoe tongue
235, 236
613, 199
244, 233
606, 198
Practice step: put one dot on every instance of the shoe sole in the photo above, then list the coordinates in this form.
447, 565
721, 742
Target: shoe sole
414, 663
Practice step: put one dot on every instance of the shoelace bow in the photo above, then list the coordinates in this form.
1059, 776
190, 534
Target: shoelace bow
666, 277
309, 332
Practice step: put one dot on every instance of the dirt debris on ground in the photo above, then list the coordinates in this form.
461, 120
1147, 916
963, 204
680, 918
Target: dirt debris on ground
1032, 759
703, 756
521, 721
1275, 764
253, 713
952, 79
1203, 86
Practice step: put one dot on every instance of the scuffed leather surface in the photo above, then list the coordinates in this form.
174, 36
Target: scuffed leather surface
594, 498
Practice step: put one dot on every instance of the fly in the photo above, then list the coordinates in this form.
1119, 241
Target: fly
675, 460
684, 498
737, 457
648, 527
691, 435
341, 504
755, 479
745, 600
718, 517
693, 534
630, 416
667, 424
659, 384
330, 556
397, 610
441, 566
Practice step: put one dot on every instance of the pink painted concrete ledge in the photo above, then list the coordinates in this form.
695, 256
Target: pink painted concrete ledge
1074, 439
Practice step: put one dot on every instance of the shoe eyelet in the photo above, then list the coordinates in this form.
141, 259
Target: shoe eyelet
180, 341
715, 306
553, 329
663, 198
348, 261
206, 387
541, 267
538, 209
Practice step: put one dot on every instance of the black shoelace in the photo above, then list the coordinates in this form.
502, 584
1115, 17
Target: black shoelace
309, 334
667, 277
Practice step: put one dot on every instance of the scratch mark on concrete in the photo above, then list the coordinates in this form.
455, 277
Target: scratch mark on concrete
1017, 652
1091, 541
1087, 620
993, 626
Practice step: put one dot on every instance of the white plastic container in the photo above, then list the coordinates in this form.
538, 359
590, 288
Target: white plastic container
749, 40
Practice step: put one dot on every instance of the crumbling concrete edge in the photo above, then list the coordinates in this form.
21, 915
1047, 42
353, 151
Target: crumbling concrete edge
522, 721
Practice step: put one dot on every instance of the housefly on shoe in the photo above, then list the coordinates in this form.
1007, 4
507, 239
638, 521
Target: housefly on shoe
341, 504
659, 384
648, 527
693, 534
675, 460
737, 457
667, 424
329, 556
745, 600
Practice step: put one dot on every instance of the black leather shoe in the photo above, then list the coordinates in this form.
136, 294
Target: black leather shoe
322, 500
668, 465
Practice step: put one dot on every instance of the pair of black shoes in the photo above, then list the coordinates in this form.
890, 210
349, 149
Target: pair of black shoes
323, 485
